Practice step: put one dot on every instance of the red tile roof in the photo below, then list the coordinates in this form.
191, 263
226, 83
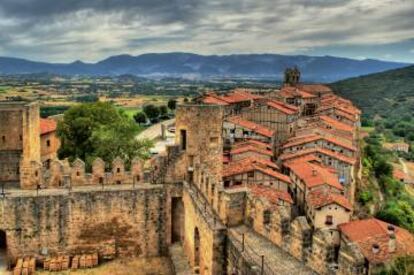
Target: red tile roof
369, 232
253, 164
253, 142
315, 151
336, 124
214, 100
315, 137
283, 107
47, 126
288, 91
270, 193
260, 129
315, 88
250, 148
318, 199
313, 174
398, 174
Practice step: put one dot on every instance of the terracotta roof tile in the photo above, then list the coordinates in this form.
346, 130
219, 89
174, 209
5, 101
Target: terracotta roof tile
315, 151
315, 88
47, 126
253, 142
214, 100
260, 129
250, 148
253, 164
336, 124
270, 193
319, 198
313, 174
315, 137
369, 232
283, 107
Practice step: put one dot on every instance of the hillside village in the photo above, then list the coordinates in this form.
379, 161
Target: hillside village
257, 182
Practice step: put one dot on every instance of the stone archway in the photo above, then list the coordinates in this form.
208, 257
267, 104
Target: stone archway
3, 251
196, 250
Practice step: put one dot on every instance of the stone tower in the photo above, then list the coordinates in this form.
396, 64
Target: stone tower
292, 76
19, 142
199, 135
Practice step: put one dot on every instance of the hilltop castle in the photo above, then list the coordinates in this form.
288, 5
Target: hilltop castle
256, 183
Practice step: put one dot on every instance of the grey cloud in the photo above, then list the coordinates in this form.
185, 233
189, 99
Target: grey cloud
90, 29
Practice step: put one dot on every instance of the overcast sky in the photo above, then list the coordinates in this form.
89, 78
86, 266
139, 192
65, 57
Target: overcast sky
90, 30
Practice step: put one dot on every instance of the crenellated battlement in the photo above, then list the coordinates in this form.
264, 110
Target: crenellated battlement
62, 174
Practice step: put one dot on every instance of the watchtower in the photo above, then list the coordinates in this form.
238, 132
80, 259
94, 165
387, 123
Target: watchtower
19, 139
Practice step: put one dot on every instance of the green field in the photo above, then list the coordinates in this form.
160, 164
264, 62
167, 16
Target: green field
130, 111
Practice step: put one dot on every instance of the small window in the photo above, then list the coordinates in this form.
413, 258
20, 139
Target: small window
118, 182
100, 180
214, 140
48, 143
3, 138
77, 174
226, 183
138, 178
250, 174
266, 217
329, 220
118, 170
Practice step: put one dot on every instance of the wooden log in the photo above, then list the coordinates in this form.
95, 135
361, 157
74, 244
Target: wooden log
65, 262
89, 262
46, 263
95, 260
18, 268
82, 261
75, 262
32, 265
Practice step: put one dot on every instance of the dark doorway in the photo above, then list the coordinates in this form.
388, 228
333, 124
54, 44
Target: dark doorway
177, 219
183, 138
196, 248
3, 251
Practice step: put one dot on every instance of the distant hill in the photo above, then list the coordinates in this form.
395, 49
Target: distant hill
268, 66
389, 93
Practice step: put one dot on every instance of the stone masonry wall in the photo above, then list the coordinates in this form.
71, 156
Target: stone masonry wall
112, 223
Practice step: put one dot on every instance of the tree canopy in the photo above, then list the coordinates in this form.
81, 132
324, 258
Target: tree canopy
151, 111
140, 117
93, 130
172, 104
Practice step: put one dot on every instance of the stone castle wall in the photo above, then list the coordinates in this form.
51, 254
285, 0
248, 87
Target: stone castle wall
130, 222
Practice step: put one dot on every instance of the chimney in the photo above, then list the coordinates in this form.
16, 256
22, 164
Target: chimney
375, 248
392, 242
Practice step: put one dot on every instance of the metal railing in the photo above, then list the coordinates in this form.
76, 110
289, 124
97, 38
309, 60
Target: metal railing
255, 259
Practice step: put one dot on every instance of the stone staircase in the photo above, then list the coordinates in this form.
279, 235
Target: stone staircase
179, 260
276, 260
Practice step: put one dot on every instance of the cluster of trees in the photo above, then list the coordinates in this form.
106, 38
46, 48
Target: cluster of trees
398, 207
92, 130
153, 112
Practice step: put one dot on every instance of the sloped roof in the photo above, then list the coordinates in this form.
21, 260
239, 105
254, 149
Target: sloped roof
314, 174
369, 232
317, 150
260, 129
283, 107
319, 199
253, 164
270, 193
315, 137
47, 126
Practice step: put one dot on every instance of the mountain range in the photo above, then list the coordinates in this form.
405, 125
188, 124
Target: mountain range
386, 94
188, 65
